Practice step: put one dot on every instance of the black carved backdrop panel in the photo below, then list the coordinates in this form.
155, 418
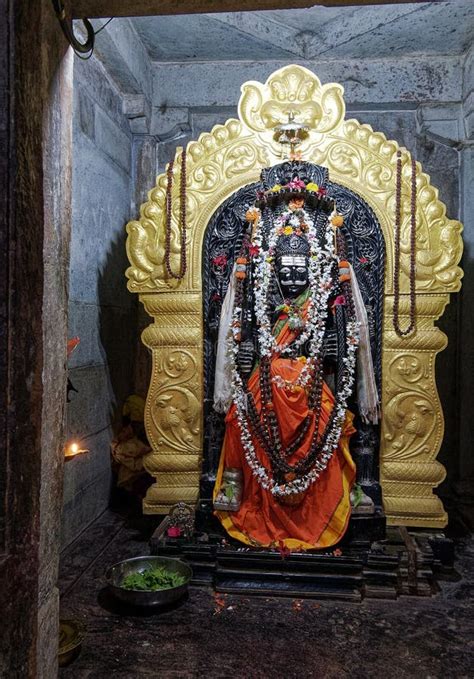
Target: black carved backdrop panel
366, 253
222, 242
285, 172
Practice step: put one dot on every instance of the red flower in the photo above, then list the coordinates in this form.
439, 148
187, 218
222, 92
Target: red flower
296, 183
363, 260
339, 301
253, 250
174, 531
220, 260
283, 549
322, 191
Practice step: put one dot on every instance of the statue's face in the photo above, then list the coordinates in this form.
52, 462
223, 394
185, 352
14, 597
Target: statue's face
293, 276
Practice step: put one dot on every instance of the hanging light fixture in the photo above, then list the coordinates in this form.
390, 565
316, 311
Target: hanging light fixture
291, 134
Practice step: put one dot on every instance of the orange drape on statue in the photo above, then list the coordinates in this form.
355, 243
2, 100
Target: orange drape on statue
320, 519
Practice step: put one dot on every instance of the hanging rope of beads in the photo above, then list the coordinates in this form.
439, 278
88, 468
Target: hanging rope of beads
182, 219
396, 267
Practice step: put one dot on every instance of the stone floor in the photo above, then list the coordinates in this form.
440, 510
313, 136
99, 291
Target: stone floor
216, 636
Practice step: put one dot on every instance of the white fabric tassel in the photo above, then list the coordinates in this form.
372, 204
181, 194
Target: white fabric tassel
367, 395
223, 377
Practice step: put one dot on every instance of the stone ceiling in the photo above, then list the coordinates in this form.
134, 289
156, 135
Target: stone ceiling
166, 66
368, 32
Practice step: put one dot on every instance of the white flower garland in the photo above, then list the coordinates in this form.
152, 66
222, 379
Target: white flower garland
320, 264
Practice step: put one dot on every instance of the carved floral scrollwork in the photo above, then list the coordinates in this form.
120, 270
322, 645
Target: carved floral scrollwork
174, 407
206, 177
291, 89
243, 157
365, 161
410, 430
346, 160
412, 421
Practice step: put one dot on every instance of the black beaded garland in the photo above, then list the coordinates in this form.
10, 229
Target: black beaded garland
264, 424
396, 268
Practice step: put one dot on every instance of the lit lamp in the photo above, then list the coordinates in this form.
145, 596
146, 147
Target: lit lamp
72, 450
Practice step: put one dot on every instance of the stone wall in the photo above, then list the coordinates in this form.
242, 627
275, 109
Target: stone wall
36, 193
101, 311
463, 497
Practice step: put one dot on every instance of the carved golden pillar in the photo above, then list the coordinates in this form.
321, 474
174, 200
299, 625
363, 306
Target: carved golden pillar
221, 162
174, 401
412, 423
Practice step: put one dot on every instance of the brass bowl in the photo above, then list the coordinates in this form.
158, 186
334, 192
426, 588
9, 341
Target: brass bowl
71, 634
134, 597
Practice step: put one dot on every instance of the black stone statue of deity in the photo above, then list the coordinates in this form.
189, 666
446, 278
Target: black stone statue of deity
305, 191
286, 368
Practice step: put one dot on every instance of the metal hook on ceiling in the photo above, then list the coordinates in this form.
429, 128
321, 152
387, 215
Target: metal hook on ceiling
65, 22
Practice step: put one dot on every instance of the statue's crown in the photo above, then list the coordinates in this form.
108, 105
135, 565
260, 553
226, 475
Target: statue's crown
291, 183
294, 245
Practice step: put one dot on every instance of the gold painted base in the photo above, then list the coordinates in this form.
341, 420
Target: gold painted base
169, 489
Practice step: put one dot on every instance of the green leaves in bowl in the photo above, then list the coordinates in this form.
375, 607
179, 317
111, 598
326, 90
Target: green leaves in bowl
153, 579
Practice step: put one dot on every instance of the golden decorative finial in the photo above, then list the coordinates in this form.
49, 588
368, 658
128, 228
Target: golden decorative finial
291, 134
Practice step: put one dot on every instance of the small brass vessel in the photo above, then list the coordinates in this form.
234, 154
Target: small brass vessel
230, 493
71, 635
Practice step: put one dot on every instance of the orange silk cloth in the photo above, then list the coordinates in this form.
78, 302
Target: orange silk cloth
321, 518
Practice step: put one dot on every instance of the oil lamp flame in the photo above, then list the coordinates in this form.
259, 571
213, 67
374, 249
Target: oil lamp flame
73, 449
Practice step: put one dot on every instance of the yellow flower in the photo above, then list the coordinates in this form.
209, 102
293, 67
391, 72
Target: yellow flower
288, 230
337, 220
276, 188
312, 187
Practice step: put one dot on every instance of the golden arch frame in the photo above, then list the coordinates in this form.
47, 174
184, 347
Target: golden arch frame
219, 163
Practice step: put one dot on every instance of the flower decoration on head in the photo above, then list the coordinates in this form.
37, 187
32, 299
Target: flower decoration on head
296, 184
296, 203
252, 214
